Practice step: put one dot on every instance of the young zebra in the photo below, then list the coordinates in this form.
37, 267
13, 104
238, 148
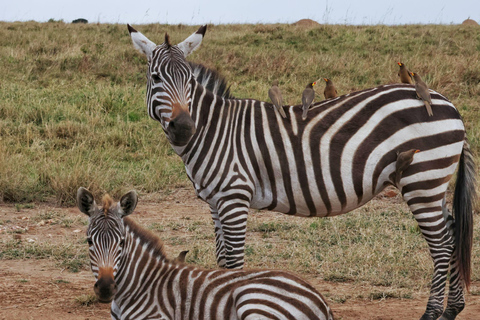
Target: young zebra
133, 273
241, 154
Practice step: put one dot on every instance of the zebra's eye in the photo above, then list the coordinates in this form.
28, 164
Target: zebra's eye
90, 242
122, 242
156, 77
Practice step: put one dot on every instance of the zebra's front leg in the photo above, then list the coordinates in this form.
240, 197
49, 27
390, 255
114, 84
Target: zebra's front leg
230, 229
219, 239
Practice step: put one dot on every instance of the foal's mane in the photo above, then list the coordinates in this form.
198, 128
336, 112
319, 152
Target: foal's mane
211, 80
153, 242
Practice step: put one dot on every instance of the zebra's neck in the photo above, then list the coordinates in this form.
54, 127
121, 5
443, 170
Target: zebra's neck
143, 251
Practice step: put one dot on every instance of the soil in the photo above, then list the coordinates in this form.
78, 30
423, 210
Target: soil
41, 289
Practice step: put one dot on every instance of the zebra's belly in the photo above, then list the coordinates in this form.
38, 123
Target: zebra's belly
300, 205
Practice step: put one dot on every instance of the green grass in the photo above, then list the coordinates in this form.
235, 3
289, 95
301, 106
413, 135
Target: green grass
73, 111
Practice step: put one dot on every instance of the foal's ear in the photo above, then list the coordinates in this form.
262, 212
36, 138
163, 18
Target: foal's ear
85, 201
127, 203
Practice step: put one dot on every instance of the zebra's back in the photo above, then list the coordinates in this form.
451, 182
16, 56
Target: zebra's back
336, 160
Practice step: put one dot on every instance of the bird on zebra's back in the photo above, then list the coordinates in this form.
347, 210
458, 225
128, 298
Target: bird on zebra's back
404, 74
308, 96
330, 91
404, 159
422, 92
275, 95
133, 272
181, 256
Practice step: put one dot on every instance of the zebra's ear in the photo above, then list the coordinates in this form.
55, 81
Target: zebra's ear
85, 201
128, 203
193, 41
141, 43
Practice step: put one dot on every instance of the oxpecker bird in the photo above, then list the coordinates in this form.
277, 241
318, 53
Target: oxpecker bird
423, 93
276, 96
404, 74
307, 98
330, 90
404, 159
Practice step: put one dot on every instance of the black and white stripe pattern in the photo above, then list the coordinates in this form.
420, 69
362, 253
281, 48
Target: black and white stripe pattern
150, 286
245, 155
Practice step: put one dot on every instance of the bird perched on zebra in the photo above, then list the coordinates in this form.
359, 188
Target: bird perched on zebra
330, 91
133, 273
404, 159
275, 95
308, 96
404, 74
423, 93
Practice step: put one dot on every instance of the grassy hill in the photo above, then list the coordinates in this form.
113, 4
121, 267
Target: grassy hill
72, 108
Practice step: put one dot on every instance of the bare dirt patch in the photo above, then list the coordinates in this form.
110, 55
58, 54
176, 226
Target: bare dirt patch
36, 287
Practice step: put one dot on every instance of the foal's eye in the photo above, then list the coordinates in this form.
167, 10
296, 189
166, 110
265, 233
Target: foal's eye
122, 242
90, 242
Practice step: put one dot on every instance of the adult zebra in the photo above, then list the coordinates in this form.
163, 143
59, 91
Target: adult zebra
134, 274
242, 154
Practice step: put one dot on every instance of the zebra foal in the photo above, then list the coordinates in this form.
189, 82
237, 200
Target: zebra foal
134, 274
240, 154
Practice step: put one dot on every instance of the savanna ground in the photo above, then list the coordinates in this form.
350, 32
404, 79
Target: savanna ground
72, 114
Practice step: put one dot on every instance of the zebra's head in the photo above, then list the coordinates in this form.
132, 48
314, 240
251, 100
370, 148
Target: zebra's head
169, 83
106, 237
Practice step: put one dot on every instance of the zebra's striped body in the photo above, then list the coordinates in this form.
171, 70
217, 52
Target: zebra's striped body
150, 286
244, 155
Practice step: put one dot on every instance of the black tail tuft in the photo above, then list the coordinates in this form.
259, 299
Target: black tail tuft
463, 204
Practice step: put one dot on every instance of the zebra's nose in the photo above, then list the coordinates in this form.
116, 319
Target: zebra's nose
181, 129
105, 289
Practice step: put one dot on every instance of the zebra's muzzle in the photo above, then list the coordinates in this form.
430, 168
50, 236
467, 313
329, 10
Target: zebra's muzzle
181, 129
105, 288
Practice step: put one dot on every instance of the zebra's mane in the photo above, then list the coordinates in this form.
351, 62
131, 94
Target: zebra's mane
153, 242
211, 80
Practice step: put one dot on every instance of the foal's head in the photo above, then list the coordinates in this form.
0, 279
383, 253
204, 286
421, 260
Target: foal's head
106, 237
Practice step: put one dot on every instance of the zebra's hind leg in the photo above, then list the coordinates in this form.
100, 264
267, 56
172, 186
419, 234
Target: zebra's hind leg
427, 210
456, 299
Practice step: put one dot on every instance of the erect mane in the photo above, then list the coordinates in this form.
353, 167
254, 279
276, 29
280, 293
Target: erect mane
211, 80
153, 242
107, 202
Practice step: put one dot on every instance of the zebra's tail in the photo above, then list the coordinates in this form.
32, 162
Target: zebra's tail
463, 205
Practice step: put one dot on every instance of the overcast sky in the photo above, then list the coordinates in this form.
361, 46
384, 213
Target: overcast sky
243, 11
